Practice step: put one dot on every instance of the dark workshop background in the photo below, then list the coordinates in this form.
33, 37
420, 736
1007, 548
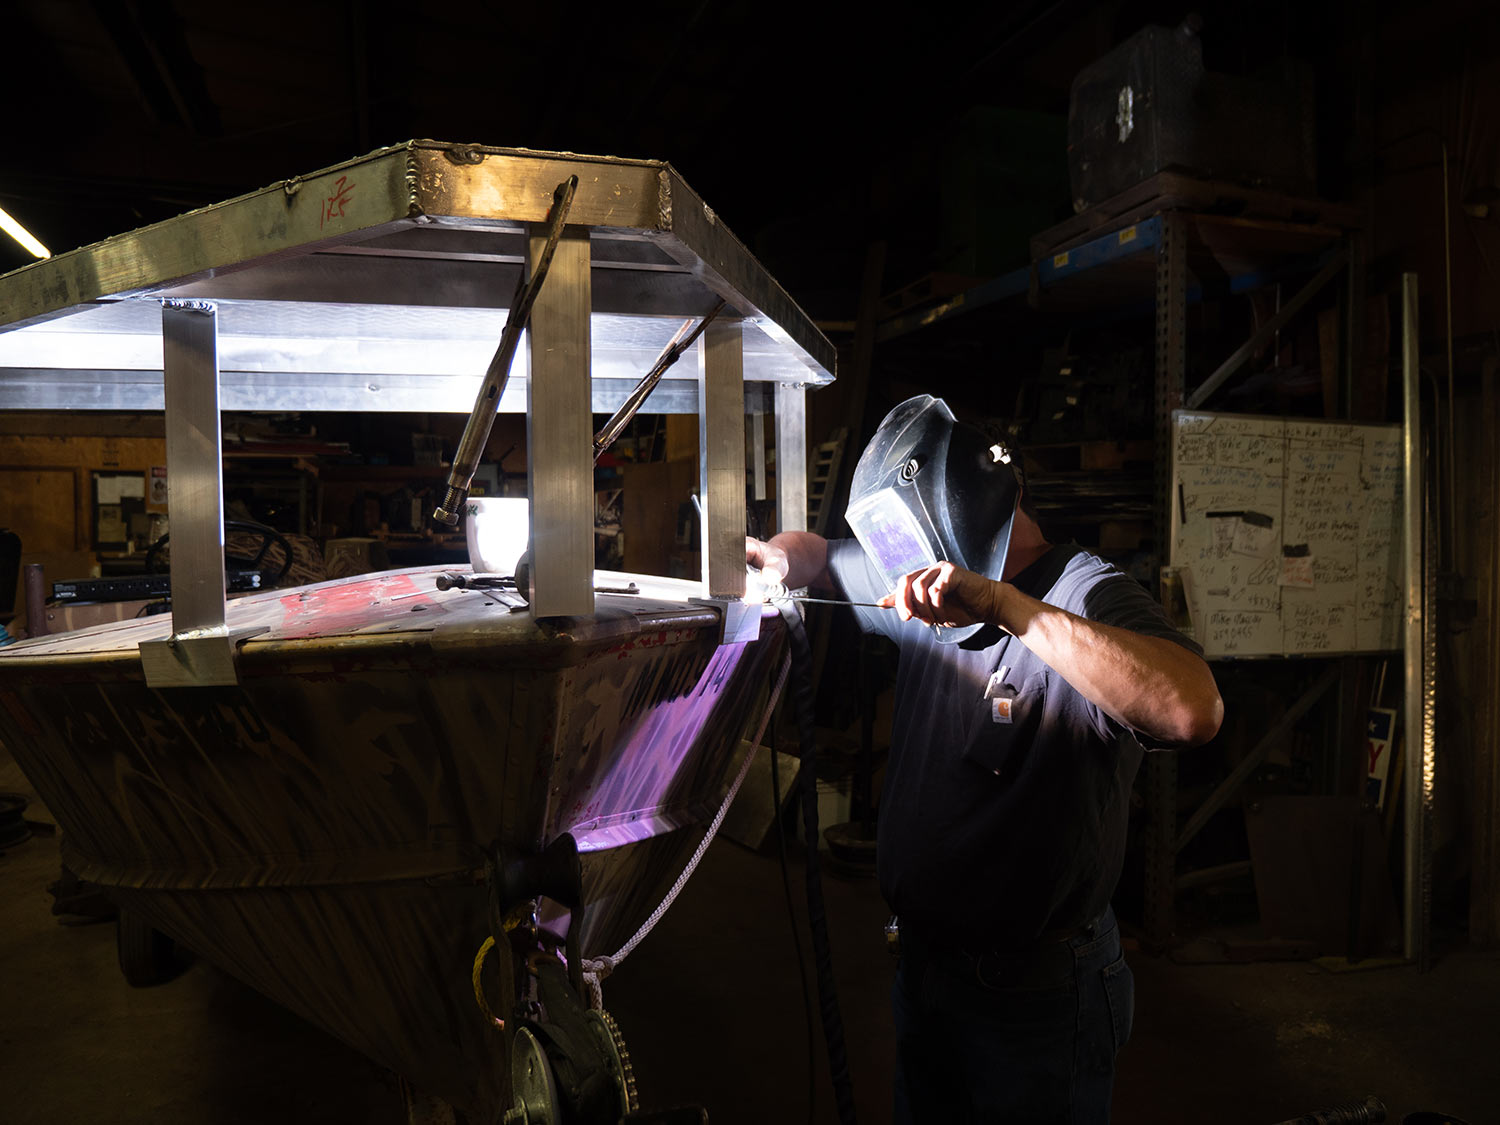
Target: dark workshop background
880, 166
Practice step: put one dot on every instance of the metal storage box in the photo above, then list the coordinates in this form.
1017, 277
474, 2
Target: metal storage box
1149, 105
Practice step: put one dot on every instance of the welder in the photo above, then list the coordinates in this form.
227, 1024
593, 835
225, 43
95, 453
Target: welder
1031, 679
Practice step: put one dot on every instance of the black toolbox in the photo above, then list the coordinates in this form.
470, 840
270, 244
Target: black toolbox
1149, 105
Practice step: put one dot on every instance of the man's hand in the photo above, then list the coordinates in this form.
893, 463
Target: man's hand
767, 566
767, 558
793, 559
946, 595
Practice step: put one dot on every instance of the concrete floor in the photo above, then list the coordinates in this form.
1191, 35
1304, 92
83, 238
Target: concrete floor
712, 1011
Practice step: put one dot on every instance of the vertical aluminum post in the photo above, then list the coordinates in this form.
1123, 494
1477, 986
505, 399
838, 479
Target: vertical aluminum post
560, 432
1419, 671
201, 650
757, 439
190, 369
791, 458
721, 445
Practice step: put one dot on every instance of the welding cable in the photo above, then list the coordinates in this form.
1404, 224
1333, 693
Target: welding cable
791, 915
833, 1022
596, 969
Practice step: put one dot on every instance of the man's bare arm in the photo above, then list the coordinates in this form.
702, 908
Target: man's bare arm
795, 558
1149, 683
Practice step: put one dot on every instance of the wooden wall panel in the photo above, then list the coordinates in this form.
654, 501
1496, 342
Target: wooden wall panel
35, 463
653, 493
41, 506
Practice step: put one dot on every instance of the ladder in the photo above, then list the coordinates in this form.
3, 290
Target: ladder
823, 479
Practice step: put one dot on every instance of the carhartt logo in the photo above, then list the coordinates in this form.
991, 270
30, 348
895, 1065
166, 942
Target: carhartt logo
1000, 710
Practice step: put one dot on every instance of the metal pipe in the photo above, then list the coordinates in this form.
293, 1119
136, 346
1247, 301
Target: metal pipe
1412, 639
482, 417
36, 600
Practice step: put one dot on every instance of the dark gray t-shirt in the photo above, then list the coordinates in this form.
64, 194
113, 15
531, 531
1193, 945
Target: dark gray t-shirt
1004, 809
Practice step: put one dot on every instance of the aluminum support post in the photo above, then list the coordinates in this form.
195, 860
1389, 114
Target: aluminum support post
791, 458
560, 432
757, 440
721, 444
200, 651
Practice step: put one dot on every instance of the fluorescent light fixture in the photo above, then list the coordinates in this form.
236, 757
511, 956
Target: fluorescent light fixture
22, 235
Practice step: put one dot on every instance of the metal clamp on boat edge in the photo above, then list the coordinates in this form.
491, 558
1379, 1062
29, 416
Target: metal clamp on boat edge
739, 621
198, 658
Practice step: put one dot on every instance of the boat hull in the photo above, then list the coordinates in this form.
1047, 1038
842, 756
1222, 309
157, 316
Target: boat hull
321, 828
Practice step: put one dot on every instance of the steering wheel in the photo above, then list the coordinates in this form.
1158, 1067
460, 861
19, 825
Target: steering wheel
268, 537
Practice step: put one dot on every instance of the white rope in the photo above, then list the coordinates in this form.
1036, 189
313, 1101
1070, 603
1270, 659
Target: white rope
595, 970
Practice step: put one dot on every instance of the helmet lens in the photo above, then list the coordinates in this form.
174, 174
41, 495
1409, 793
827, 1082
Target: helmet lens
890, 535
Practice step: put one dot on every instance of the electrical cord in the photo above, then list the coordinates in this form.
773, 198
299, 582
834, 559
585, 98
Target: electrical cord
596, 969
791, 914
833, 1023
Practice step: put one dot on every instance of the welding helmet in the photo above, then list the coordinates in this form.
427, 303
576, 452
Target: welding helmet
929, 489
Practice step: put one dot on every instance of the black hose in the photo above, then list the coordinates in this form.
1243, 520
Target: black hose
791, 915
833, 1022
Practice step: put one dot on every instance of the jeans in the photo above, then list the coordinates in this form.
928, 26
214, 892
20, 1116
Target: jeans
1011, 1036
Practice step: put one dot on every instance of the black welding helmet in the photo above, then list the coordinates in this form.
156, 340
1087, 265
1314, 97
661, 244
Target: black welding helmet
929, 489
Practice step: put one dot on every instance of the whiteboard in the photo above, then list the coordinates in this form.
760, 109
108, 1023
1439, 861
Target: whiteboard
1286, 533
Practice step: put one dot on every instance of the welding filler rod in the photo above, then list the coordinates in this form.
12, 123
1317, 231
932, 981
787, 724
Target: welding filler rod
835, 601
